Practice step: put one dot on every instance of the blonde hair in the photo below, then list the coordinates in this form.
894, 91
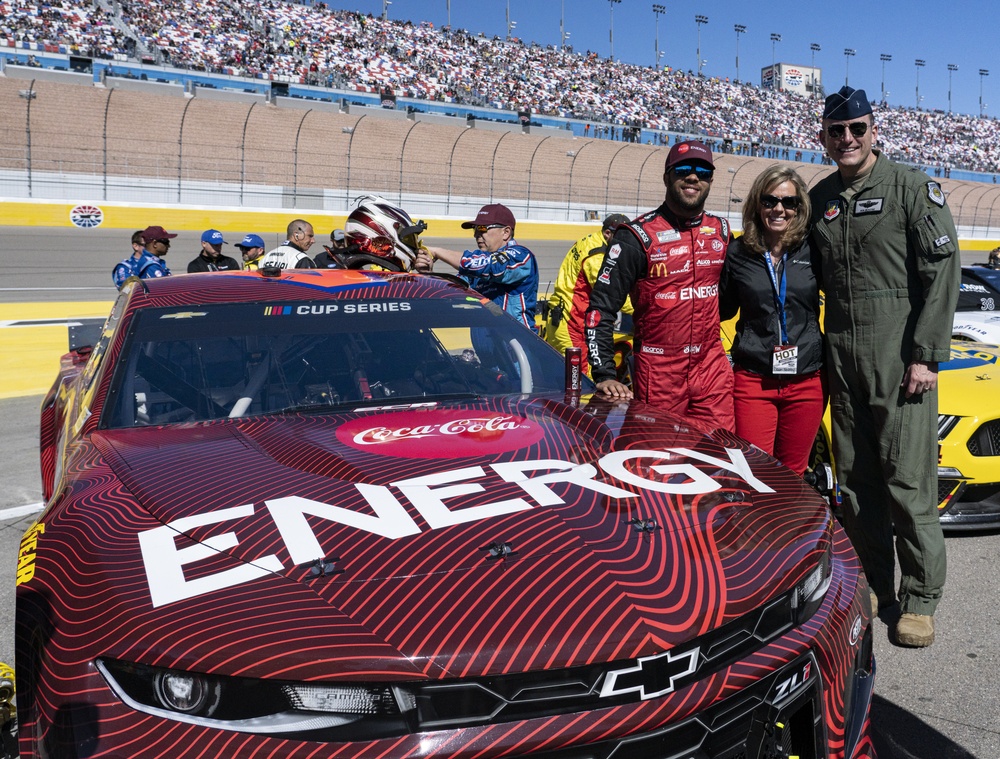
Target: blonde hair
798, 227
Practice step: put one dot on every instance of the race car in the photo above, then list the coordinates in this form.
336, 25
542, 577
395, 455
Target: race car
977, 315
349, 513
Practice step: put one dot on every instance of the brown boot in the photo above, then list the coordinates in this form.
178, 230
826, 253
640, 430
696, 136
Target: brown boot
915, 630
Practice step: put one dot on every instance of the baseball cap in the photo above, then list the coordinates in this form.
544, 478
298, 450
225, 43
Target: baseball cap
213, 237
156, 233
847, 103
493, 213
691, 150
614, 220
251, 241
337, 235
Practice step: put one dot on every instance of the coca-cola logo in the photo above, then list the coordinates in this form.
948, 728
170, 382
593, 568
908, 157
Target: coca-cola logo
440, 433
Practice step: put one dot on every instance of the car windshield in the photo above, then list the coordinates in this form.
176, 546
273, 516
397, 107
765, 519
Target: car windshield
232, 360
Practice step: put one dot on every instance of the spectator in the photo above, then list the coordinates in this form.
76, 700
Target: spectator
211, 258
150, 263
291, 254
891, 272
575, 280
769, 277
500, 269
669, 260
251, 248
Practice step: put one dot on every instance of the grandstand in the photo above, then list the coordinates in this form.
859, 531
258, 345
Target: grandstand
310, 155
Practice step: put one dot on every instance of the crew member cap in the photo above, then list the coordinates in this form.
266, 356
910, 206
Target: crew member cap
337, 235
692, 150
846, 104
251, 241
156, 233
213, 237
614, 220
493, 213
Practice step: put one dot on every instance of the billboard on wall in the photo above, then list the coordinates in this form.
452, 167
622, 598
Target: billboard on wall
803, 80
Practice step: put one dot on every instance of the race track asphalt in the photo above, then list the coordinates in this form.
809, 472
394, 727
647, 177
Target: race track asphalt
937, 703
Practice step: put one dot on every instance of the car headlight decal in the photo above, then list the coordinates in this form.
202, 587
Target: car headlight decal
809, 593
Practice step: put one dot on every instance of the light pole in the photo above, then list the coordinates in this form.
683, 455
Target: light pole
885, 58
982, 74
658, 10
951, 68
775, 37
740, 29
919, 63
611, 30
447, 7
385, 9
849, 53
510, 24
700, 20
815, 48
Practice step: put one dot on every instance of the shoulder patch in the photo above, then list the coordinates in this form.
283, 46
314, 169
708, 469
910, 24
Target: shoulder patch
935, 194
832, 210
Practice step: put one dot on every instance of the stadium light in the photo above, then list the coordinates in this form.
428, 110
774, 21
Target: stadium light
611, 29
700, 20
982, 74
849, 53
385, 9
919, 63
563, 34
775, 37
885, 58
510, 24
951, 69
815, 48
739, 29
658, 10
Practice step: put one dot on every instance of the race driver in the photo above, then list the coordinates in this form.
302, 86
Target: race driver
668, 261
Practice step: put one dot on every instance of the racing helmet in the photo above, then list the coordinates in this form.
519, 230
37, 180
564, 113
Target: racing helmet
383, 230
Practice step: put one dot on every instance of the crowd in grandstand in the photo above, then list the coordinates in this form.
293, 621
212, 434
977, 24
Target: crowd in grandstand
348, 50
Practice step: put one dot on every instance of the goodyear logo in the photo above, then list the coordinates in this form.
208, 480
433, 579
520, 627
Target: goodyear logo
27, 552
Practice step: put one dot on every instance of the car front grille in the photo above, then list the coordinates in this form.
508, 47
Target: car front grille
985, 441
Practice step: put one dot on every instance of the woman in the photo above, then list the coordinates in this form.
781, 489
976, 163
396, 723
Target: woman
777, 354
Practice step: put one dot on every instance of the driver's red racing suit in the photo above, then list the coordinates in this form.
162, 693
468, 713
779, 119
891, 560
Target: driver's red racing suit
671, 269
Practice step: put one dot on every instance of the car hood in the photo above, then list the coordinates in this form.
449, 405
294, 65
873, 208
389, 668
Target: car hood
464, 539
969, 383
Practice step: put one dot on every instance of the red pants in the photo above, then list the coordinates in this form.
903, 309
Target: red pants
780, 415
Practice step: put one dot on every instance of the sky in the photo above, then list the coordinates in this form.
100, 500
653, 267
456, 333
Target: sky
941, 34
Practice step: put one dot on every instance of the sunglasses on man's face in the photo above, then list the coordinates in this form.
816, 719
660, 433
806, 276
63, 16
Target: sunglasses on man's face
481, 229
837, 131
789, 202
702, 172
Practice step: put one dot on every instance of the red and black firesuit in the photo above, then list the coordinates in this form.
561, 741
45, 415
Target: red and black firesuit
670, 267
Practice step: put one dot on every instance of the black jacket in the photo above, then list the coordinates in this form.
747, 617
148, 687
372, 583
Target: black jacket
745, 285
204, 263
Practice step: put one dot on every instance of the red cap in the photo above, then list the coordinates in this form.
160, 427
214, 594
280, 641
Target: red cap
156, 233
689, 151
494, 213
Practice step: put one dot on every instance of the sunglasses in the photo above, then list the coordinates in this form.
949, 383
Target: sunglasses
702, 172
165, 242
482, 228
789, 202
837, 131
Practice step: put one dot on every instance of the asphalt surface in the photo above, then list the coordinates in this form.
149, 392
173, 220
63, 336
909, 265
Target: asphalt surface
942, 702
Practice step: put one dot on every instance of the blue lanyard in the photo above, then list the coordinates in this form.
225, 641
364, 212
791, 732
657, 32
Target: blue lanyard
779, 292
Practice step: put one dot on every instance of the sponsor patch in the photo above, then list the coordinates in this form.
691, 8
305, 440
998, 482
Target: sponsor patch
593, 318
668, 235
706, 231
935, 194
614, 252
942, 240
680, 250
605, 278
832, 210
718, 246
27, 552
655, 350
868, 205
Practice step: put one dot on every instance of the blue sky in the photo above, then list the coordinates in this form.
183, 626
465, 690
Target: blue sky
940, 33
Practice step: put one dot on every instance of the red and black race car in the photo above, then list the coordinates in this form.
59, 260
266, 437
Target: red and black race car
356, 513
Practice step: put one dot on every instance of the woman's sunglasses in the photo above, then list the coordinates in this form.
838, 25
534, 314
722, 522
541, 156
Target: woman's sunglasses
789, 202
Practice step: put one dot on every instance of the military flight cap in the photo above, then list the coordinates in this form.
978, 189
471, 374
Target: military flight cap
846, 104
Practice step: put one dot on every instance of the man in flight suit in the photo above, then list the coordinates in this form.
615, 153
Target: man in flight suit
891, 269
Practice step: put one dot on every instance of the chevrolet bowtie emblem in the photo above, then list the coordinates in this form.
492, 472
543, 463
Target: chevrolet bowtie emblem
652, 676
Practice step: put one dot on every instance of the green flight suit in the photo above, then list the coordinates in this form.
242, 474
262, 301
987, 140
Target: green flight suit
890, 267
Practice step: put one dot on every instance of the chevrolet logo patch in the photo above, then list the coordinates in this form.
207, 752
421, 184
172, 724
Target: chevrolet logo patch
652, 676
